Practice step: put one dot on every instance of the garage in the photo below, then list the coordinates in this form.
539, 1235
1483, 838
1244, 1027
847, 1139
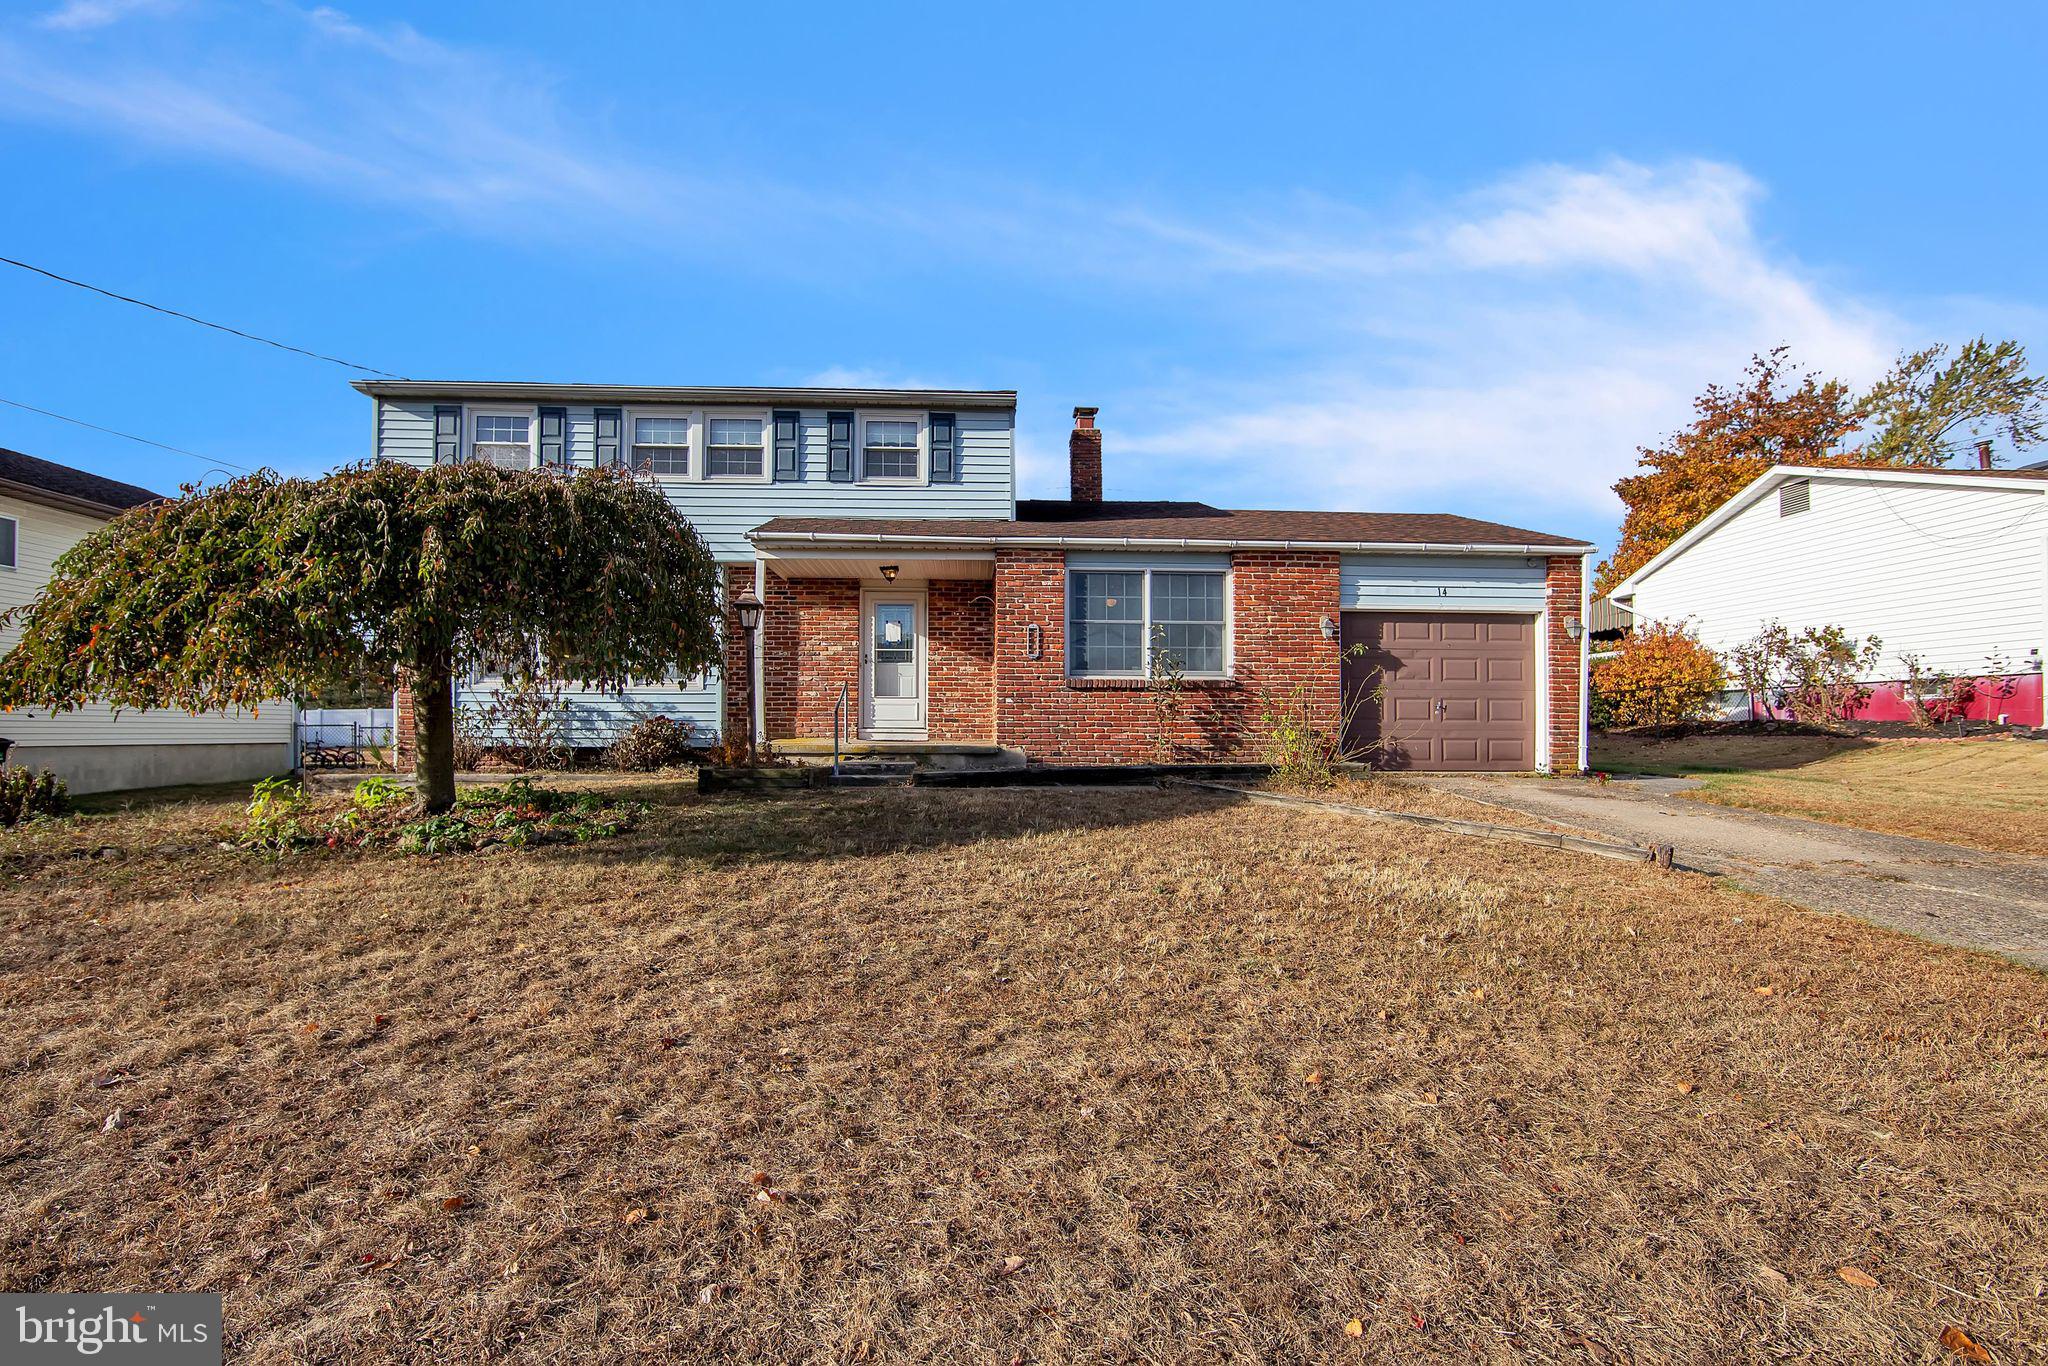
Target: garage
1459, 689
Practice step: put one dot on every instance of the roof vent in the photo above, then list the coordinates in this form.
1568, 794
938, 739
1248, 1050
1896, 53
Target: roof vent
1794, 497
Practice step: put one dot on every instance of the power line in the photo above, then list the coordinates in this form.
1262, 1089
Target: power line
218, 327
130, 436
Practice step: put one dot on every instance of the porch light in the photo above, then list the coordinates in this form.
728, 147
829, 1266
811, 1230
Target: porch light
889, 573
1574, 628
749, 608
1329, 628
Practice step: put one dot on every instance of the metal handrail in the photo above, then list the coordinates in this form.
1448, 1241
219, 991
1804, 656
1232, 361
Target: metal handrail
838, 715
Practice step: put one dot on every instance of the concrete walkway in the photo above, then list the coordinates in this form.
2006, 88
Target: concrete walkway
1960, 896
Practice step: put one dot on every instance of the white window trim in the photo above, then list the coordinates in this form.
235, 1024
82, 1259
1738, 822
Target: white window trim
532, 416
924, 446
14, 562
700, 445
1145, 619
694, 445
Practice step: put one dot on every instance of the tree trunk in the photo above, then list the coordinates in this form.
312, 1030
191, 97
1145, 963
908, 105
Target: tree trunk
433, 737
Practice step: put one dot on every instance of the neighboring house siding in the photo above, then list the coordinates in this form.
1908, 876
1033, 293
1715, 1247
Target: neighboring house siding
45, 533
1953, 574
1480, 583
592, 720
723, 513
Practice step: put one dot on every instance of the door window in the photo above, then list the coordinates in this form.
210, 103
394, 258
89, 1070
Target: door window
895, 649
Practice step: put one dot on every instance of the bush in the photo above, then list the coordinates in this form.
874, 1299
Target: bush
26, 793
278, 810
652, 743
379, 813
1814, 674
1661, 675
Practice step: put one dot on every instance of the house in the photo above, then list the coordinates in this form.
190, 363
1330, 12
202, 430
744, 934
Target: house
45, 508
1947, 564
908, 592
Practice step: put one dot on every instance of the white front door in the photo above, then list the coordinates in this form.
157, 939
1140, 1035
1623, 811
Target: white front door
892, 664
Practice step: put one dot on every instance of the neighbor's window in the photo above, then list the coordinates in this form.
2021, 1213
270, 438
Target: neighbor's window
889, 448
8, 536
661, 445
1118, 619
502, 439
734, 450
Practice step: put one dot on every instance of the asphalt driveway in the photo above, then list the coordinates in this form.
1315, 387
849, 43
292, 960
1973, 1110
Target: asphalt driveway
1960, 896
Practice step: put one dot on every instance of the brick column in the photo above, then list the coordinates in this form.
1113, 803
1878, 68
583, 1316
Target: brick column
1562, 585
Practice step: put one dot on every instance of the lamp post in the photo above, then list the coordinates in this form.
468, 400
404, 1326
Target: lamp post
749, 608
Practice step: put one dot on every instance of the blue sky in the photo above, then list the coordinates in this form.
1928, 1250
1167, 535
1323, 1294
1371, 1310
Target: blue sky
1434, 258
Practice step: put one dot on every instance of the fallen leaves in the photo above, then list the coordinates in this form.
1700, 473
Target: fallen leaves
634, 1216
454, 1203
1962, 1344
1355, 1329
1858, 1277
1765, 991
1314, 1078
1686, 1088
1012, 1264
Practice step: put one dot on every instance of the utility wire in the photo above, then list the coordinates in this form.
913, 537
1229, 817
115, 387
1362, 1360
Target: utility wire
218, 327
80, 422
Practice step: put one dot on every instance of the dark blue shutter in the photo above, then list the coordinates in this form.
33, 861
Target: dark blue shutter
554, 439
789, 456
610, 424
447, 434
839, 447
945, 448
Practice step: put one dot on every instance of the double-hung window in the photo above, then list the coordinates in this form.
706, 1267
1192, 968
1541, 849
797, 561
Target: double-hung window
661, 445
734, 448
1120, 620
502, 439
889, 448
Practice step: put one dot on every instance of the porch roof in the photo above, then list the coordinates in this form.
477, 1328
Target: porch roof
1061, 523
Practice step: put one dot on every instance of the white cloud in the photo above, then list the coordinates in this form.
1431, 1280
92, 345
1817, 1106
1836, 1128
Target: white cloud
77, 16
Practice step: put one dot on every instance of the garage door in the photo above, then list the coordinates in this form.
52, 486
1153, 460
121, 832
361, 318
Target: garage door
1459, 689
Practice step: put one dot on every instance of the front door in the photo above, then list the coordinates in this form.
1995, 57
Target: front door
892, 665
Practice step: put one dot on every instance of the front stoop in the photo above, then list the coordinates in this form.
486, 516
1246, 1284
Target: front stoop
886, 756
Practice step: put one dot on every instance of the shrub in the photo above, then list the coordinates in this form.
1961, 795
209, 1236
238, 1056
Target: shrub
1815, 674
654, 742
1660, 676
1302, 745
26, 793
278, 809
372, 795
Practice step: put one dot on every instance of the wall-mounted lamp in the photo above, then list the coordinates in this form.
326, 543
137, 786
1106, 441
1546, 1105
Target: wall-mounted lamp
889, 573
1574, 628
1329, 628
749, 608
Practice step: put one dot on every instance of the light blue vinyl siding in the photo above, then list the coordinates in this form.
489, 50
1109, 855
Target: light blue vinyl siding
594, 719
1500, 583
723, 513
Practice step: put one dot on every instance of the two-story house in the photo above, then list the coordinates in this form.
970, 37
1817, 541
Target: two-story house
901, 575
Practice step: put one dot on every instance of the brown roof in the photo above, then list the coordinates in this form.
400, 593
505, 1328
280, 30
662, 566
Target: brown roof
30, 475
1048, 519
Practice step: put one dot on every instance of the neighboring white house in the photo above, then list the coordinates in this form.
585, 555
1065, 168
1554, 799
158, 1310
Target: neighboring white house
44, 509
1949, 564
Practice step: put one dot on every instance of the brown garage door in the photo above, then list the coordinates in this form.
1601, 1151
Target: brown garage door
1460, 689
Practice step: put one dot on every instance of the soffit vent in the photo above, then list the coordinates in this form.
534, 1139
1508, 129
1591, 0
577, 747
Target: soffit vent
1794, 498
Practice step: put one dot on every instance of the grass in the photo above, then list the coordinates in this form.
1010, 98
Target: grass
998, 1076
1983, 793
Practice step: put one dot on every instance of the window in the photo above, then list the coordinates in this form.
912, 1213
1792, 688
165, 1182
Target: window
1794, 498
9, 529
735, 449
502, 439
1118, 619
661, 445
889, 448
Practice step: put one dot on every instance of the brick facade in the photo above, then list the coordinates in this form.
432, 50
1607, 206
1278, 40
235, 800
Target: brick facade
1562, 588
1278, 602
961, 615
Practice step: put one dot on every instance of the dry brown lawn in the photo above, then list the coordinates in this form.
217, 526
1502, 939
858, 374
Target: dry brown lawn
1983, 793
1006, 1076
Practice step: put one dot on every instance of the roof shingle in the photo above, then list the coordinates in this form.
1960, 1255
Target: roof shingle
31, 473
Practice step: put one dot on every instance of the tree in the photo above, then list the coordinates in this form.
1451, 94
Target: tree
269, 587
1774, 417
1922, 406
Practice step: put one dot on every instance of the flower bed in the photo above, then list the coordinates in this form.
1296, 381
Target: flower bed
378, 813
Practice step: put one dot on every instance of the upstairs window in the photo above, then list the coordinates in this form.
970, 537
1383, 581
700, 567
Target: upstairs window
9, 537
1794, 498
889, 448
661, 445
502, 439
735, 449
1119, 620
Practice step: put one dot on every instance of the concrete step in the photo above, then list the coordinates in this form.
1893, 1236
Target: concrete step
924, 755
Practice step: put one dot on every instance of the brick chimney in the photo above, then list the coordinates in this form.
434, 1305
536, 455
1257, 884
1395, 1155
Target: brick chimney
1983, 455
1084, 456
